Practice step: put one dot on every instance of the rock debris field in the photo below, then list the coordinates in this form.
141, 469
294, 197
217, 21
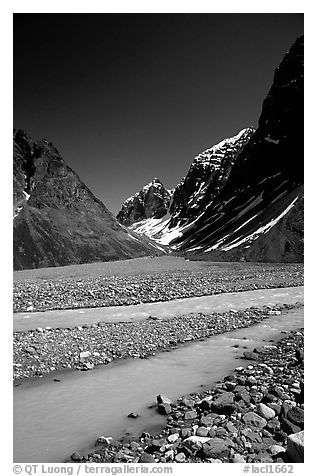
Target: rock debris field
96, 291
255, 415
47, 350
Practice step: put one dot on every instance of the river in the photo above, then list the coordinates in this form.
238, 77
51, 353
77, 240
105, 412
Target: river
206, 304
54, 419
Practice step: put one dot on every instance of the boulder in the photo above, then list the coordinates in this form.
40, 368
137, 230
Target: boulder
29, 350
207, 420
295, 447
163, 399
146, 458
87, 366
173, 438
169, 455
217, 448
186, 432
76, 457
238, 459
190, 415
105, 440
265, 411
279, 393
273, 425
180, 458
253, 420
206, 403
164, 408
276, 449
192, 444
202, 431
224, 404
296, 416
188, 402
251, 435
133, 415
250, 355
289, 427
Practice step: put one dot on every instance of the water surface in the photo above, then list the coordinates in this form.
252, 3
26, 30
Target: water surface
23, 321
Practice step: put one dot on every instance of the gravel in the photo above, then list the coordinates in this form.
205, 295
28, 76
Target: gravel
46, 350
71, 292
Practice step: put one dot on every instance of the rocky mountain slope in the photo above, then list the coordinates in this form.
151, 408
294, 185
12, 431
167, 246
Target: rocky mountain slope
243, 198
206, 178
152, 201
57, 219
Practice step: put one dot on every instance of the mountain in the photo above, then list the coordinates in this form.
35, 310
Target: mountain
206, 178
258, 215
152, 201
57, 219
242, 199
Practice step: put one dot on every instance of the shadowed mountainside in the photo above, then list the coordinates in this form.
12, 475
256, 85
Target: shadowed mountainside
57, 219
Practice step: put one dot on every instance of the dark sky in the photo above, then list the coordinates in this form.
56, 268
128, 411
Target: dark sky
126, 98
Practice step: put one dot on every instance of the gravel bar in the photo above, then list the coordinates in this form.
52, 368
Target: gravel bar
46, 350
99, 291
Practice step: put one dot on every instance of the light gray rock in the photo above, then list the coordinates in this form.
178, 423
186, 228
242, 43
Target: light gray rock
265, 411
190, 415
194, 443
180, 458
84, 355
173, 438
254, 420
238, 459
163, 399
275, 449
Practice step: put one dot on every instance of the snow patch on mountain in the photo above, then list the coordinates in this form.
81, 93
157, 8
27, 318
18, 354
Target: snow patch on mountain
261, 230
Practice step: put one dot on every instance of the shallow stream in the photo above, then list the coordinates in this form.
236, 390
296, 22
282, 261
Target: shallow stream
54, 419
24, 321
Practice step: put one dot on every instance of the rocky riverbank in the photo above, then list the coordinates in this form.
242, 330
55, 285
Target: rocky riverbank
42, 351
97, 291
254, 415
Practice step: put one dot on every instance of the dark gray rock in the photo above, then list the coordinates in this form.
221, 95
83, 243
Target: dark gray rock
164, 408
146, 458
224, 404
217, 448
254, 421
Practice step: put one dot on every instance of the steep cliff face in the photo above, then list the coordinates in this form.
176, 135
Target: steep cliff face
265, 185
57, 219
206, 178
152, 201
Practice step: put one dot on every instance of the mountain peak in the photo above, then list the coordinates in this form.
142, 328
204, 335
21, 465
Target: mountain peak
152, 201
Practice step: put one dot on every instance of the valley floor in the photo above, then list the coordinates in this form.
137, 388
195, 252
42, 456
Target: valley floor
143, 280
237, 424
